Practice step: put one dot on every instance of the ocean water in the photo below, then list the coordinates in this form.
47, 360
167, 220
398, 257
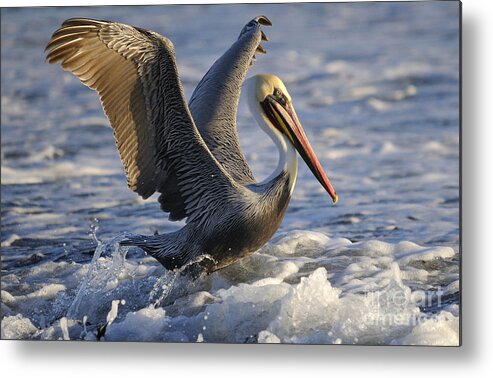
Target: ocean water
376, 87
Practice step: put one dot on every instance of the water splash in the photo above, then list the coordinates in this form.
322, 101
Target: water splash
102, 278
167, 287
64, 328
74, 307
110, 277
162, 288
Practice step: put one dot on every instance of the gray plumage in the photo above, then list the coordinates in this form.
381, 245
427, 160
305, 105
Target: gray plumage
189, 154
215, 100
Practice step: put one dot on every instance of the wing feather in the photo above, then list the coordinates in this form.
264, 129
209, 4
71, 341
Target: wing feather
134, 72
215, 100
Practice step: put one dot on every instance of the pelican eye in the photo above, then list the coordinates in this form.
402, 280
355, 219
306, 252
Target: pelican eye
279, 96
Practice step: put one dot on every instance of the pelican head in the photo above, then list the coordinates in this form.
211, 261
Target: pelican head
271, 103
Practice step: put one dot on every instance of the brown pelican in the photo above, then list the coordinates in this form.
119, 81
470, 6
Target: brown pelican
190, 153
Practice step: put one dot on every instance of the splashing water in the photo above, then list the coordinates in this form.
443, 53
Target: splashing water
101, 285
110, 278
64, 327
167, 288
162, 288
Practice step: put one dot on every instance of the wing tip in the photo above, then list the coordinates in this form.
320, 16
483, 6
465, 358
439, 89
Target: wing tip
259, 21
77, 21
263, 20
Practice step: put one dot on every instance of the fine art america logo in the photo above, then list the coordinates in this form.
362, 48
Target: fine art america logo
401, 307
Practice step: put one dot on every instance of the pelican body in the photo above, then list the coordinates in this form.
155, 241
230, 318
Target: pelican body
190, 153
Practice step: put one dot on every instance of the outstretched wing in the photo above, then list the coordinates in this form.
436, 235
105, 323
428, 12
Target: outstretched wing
134, 72
215, 100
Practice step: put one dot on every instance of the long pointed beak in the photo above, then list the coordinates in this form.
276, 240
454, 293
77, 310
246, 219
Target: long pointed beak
285, 119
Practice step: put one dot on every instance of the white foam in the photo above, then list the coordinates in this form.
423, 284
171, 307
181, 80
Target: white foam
8, 242
388, 148
64, 327
18, 328
146, 324
110, 318
276, 295
48, 153
303, 243
53, 172
46, 292
379, 105
307, 310
452, 287
438, 330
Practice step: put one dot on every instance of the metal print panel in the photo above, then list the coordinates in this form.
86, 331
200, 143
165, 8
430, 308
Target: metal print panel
309, 195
